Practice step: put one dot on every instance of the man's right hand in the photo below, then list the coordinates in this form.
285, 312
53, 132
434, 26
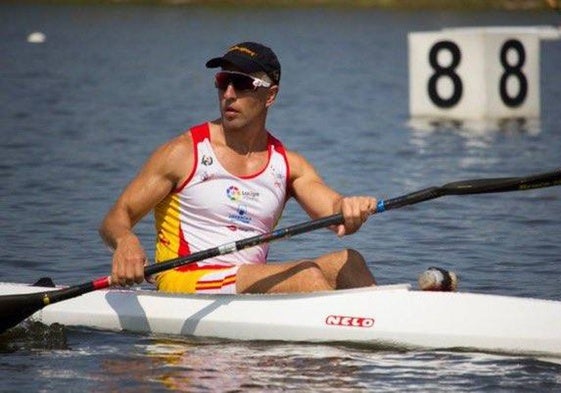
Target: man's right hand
129, 260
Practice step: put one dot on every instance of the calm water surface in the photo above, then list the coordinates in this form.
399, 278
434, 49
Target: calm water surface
80, 113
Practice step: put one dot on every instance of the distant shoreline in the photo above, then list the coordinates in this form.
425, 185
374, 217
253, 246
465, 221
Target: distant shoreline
382, 4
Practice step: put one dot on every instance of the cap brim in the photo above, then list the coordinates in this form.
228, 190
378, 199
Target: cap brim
215, 63
242, 63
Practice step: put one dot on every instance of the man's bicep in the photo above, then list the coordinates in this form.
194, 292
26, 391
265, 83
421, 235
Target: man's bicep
311, 192
155, 180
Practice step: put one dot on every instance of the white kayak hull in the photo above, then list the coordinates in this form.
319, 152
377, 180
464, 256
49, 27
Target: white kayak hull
382, 317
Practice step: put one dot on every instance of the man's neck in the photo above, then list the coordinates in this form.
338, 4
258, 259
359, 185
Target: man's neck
242, 141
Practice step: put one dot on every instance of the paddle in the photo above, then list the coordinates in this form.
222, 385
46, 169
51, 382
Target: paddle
474, 186
15, 308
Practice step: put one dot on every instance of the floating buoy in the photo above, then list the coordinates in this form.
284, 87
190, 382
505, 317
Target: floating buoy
36, 37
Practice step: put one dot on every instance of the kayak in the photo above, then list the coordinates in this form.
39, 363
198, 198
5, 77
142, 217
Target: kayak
382, 317
386, 316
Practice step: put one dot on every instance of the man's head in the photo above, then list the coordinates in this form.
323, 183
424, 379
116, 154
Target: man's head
250, 57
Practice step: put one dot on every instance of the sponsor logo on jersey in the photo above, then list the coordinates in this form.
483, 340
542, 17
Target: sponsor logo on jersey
235, 194
206, 160
240, 215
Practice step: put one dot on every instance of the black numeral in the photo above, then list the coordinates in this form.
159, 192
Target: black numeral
448, 71
513, 71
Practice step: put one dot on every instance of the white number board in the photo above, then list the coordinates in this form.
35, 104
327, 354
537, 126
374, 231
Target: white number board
474, 74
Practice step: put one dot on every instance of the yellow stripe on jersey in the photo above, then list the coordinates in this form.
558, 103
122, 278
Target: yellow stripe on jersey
168, 228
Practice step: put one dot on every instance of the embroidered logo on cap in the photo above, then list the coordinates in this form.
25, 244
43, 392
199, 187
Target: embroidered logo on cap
242, 49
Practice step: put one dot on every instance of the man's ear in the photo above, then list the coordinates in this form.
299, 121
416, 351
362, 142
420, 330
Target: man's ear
272, 95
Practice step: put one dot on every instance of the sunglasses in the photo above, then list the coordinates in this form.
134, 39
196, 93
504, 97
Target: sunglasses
239, 80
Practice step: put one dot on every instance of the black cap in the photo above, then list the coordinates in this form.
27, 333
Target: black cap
250, 57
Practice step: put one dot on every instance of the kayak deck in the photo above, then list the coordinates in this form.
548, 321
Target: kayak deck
385, 316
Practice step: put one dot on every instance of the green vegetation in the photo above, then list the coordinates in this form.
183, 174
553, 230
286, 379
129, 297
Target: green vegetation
388, 4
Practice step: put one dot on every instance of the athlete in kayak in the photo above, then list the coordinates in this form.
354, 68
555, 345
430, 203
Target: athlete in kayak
226, 180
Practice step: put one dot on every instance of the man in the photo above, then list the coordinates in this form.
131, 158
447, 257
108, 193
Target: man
226, 180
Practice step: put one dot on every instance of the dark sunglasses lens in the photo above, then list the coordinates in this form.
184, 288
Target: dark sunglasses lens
240, 82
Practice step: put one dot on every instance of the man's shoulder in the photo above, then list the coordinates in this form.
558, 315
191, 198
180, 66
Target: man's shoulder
182, 143
294, 155
177, 147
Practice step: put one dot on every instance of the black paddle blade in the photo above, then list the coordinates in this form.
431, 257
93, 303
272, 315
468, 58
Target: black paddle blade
15, 308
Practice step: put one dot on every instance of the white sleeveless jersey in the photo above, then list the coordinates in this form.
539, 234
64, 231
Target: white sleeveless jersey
214, 207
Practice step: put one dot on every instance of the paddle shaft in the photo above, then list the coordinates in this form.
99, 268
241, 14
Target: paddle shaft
15, 308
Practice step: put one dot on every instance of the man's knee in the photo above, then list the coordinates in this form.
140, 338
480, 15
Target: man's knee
354, 271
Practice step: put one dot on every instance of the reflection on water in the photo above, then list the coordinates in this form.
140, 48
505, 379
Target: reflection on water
106, 362
181, 365
476, 133
473, 136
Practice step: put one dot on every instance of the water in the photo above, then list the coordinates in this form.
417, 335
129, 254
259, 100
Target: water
80, 113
